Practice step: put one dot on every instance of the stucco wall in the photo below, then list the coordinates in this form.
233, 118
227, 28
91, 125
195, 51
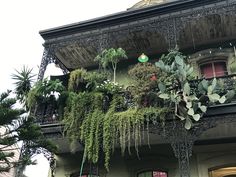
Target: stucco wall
205, 157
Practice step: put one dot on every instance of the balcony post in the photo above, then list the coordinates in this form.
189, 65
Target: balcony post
47, 58
182, 140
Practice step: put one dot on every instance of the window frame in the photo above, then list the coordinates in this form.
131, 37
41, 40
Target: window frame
212, 61
152, 170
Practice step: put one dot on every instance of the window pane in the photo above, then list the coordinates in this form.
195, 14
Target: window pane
159, 174
152, 174
220, 69
207, 70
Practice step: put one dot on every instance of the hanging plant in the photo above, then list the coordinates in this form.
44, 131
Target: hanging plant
81, 80
99, 131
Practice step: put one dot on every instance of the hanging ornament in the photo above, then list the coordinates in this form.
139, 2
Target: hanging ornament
143, 58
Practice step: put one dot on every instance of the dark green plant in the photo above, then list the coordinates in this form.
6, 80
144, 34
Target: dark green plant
145, 80
111, 56
44, 91
16, 128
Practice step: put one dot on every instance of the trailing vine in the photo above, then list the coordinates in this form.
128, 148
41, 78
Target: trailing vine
102, 132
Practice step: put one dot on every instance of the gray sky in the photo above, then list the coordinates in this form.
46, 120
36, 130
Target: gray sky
20, 43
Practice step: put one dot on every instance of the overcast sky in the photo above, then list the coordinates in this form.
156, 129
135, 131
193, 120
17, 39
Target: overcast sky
21, 44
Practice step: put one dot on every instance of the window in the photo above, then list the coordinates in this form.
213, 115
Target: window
224, 172
152, 174
213, 69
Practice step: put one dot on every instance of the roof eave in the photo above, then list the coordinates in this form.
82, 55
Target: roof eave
121, 17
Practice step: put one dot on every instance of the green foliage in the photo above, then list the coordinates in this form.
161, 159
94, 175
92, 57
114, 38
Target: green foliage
43, 92
170, 57
78, 105
100, 130
24, 79
111, 56
16, 128
175, 89
145, 80
102, 116
81, 80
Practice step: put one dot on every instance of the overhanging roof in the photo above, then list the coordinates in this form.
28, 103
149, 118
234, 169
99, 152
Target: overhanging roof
152, 30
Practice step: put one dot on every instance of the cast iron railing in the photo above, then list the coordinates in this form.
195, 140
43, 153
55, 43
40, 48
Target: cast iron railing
48, 113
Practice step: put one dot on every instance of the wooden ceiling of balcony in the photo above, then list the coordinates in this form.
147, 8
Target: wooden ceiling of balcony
203, 31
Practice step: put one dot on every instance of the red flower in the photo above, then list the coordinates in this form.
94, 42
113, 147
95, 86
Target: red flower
153, 77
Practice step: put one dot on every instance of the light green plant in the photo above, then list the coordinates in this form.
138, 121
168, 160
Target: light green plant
175, 88
111, 56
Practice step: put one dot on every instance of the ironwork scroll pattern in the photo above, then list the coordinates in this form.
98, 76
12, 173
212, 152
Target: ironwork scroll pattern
182, 140
47, 58
170, 27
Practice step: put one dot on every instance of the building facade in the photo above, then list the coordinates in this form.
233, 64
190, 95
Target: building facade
205, 31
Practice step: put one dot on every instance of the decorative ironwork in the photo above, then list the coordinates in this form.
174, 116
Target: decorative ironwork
49, 57
182, 140
169, 26
50, 157
30, 152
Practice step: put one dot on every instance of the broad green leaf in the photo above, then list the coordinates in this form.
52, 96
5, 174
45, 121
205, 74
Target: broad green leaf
209, 90
160, 64
214, 84
192, 98
214, 97
179, 61
167, 68
204, 83
191, 112
188, 124
201, 88
187, 88
189, 105
162, 87
190, 71
203, 108
164, 96
172, 98
222, 99
196, 117
195, 107
172, 66
182, 73
230, 94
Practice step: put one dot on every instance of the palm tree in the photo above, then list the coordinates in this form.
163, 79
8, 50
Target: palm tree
24, 79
